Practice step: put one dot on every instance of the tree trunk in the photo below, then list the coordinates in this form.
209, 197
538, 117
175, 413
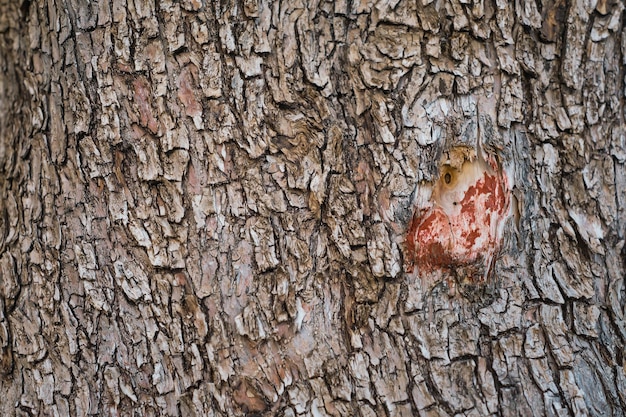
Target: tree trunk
312, 208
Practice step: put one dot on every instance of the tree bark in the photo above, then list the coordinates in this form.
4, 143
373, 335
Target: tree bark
250, 208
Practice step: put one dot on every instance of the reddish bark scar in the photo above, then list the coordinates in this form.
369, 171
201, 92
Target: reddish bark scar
463, 224
186, 95
142, 98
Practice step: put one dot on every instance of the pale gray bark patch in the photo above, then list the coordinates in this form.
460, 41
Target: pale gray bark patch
203, 207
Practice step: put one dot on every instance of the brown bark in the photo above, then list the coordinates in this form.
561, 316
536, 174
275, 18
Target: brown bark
205, 207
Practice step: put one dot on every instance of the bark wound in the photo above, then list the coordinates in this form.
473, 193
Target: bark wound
460, 228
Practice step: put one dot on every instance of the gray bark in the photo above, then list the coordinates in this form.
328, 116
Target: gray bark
205, 207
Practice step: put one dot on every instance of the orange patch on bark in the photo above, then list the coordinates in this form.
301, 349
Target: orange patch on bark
186, 95
462, 227
142, 99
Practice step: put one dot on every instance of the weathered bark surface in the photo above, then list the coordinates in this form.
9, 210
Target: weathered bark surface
204, 207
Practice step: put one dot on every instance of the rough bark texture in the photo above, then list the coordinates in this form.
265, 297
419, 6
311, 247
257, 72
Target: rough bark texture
204, 207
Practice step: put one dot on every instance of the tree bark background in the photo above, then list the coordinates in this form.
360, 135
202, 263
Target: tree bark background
204, 207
